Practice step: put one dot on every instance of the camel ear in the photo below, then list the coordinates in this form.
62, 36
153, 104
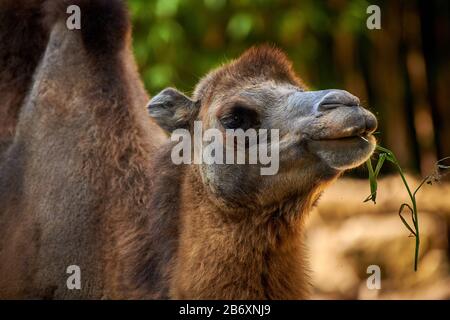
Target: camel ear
172, 109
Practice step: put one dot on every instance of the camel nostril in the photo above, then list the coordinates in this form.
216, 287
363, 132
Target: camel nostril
337, 98
371, 123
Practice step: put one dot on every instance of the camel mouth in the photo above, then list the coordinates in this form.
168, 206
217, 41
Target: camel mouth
357, 141
347, 138
337, 104
345, 152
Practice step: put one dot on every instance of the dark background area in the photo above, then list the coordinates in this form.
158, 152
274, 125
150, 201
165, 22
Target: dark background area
401, 72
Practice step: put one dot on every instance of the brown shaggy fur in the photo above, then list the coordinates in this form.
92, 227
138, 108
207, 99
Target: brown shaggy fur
22, 43
248, 254
89, 181
75, 184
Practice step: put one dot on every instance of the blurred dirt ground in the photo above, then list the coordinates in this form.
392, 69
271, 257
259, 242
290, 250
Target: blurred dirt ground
344, 236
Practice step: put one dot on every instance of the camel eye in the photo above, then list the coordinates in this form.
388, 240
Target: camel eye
240, 117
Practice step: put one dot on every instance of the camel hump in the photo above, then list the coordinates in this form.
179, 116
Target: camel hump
104, 24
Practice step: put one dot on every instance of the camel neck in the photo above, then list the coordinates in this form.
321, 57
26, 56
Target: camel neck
249, 255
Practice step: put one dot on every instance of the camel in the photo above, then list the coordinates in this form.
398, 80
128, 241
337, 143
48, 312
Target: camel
87, 177
19, 57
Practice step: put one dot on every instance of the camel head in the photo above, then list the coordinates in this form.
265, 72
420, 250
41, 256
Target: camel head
317, 134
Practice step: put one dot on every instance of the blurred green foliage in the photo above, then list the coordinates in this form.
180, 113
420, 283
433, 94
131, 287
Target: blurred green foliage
177, 41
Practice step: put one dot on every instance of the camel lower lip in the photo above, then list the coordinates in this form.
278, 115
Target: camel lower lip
343, 153
346, 139
346, 142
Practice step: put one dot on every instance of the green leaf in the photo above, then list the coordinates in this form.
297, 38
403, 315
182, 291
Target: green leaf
380, 163
403, 219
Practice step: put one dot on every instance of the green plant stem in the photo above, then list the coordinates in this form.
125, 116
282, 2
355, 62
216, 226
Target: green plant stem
387, 154
412, 196
415, 215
